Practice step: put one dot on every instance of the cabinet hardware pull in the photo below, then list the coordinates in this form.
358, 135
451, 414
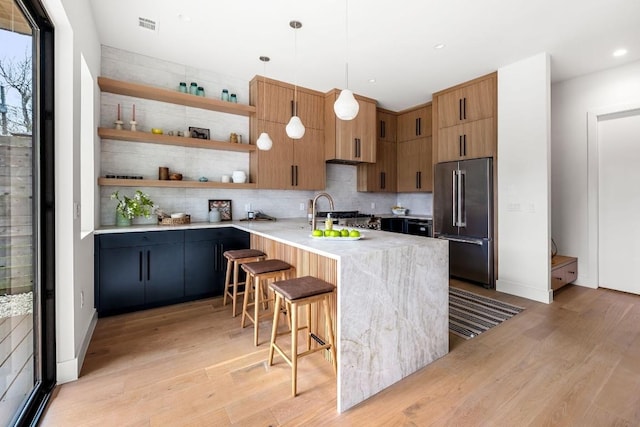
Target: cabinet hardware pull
464, 144
382, 180
148, 265
139, 266
359, 148
383, 131
418, 126
296, 175
460, 145
464, 107
419, 179
460, 109
292, 178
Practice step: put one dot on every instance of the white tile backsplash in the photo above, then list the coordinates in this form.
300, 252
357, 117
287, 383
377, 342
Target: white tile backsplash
131, 158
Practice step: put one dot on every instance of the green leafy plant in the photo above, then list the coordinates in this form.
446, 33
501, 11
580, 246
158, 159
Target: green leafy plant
130, 207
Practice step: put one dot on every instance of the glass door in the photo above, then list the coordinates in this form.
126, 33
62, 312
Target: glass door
26, 223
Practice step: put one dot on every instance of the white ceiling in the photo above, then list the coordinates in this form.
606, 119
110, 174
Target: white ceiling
392, 42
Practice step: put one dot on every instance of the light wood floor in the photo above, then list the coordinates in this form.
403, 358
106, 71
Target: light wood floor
575, 362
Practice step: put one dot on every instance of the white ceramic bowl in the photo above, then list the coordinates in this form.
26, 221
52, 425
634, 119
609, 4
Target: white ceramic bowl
178, 215
399, 211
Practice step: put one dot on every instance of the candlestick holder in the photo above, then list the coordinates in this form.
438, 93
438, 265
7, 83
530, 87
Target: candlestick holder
133, 124
118, 124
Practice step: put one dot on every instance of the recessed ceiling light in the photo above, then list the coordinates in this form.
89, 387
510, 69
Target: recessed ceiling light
620, 52
439, 46
184, 18
372, 80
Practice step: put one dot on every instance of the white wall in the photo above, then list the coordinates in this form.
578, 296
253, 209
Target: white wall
74, 36
523, 178
571, 100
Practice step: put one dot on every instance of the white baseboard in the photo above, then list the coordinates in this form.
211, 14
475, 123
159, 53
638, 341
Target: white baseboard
524, 291
69, 370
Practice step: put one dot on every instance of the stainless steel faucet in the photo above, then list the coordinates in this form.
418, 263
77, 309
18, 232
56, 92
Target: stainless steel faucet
313, 207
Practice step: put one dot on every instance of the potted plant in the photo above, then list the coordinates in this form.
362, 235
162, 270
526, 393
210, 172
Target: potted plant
130, 207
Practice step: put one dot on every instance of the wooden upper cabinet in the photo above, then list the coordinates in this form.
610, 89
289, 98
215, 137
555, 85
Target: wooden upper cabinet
387, 125
350, 141
414, 123
290, 164
380, 176
467, 141
415, 165
275, 100
474, 100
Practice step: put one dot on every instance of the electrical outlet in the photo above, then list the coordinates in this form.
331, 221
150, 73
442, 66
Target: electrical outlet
301, 206
76, 210
247, 207
81, 299
373, 205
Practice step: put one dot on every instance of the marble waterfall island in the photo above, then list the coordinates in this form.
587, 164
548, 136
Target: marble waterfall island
392, 304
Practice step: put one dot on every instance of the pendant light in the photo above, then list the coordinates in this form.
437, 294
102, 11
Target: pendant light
295, 129
346, 107
264, 142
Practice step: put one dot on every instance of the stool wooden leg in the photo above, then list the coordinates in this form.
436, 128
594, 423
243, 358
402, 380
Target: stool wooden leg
274, 328
256, 305
294, 348
308, 334
329, 326
245, 300
236, 266
227, 281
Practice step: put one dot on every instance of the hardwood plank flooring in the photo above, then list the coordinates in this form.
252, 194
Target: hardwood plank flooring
575, 362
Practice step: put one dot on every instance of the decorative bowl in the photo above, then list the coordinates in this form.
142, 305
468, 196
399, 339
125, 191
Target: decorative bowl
175, 176
157, 131
399, 211
178, 215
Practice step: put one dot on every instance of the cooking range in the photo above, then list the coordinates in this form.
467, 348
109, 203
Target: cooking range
353, 219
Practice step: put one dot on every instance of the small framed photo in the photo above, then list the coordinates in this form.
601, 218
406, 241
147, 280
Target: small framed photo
199, 133
224, 206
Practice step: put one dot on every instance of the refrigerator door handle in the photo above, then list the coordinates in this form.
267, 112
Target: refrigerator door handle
454, 193
462, 214
453, 239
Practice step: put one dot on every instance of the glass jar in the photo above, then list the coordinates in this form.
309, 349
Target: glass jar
183, 87
193, 89
225, 95
200, 91
233, 98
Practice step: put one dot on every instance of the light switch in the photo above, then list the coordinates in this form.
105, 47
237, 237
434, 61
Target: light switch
76, 210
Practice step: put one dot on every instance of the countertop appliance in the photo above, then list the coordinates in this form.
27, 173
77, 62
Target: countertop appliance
463, 215
353, 219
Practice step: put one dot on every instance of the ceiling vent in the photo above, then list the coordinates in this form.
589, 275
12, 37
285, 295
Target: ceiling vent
148, 24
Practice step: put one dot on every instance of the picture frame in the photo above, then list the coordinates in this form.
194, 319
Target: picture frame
224, 206
199, 133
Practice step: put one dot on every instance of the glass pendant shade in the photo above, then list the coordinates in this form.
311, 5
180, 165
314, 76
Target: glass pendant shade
295, 129
264, 142
346, 107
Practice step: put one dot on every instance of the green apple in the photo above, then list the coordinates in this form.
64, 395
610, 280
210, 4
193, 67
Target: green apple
327, 233
354, 233
344, 232
335, 233
317, 233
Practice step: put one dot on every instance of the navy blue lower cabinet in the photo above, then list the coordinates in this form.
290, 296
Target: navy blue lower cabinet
139, 270
205, 265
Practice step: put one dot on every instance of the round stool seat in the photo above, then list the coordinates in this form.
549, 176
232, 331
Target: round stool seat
243, 253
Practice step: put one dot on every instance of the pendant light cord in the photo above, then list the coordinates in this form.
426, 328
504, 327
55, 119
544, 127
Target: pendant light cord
295, 70
346, 54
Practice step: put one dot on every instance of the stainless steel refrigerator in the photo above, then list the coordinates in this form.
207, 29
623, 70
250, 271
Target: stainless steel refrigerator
463, 215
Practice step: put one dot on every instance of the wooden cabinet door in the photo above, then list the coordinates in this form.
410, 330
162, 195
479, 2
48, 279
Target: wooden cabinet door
308, 161
415, 124
351, 140
275, 166
310, 110
366, 132
386, 126
467, 103
467, 141
382, 175
415, 165
273, 102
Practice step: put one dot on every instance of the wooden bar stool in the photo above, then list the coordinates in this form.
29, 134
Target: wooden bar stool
303, 291
258, 273
235, 259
